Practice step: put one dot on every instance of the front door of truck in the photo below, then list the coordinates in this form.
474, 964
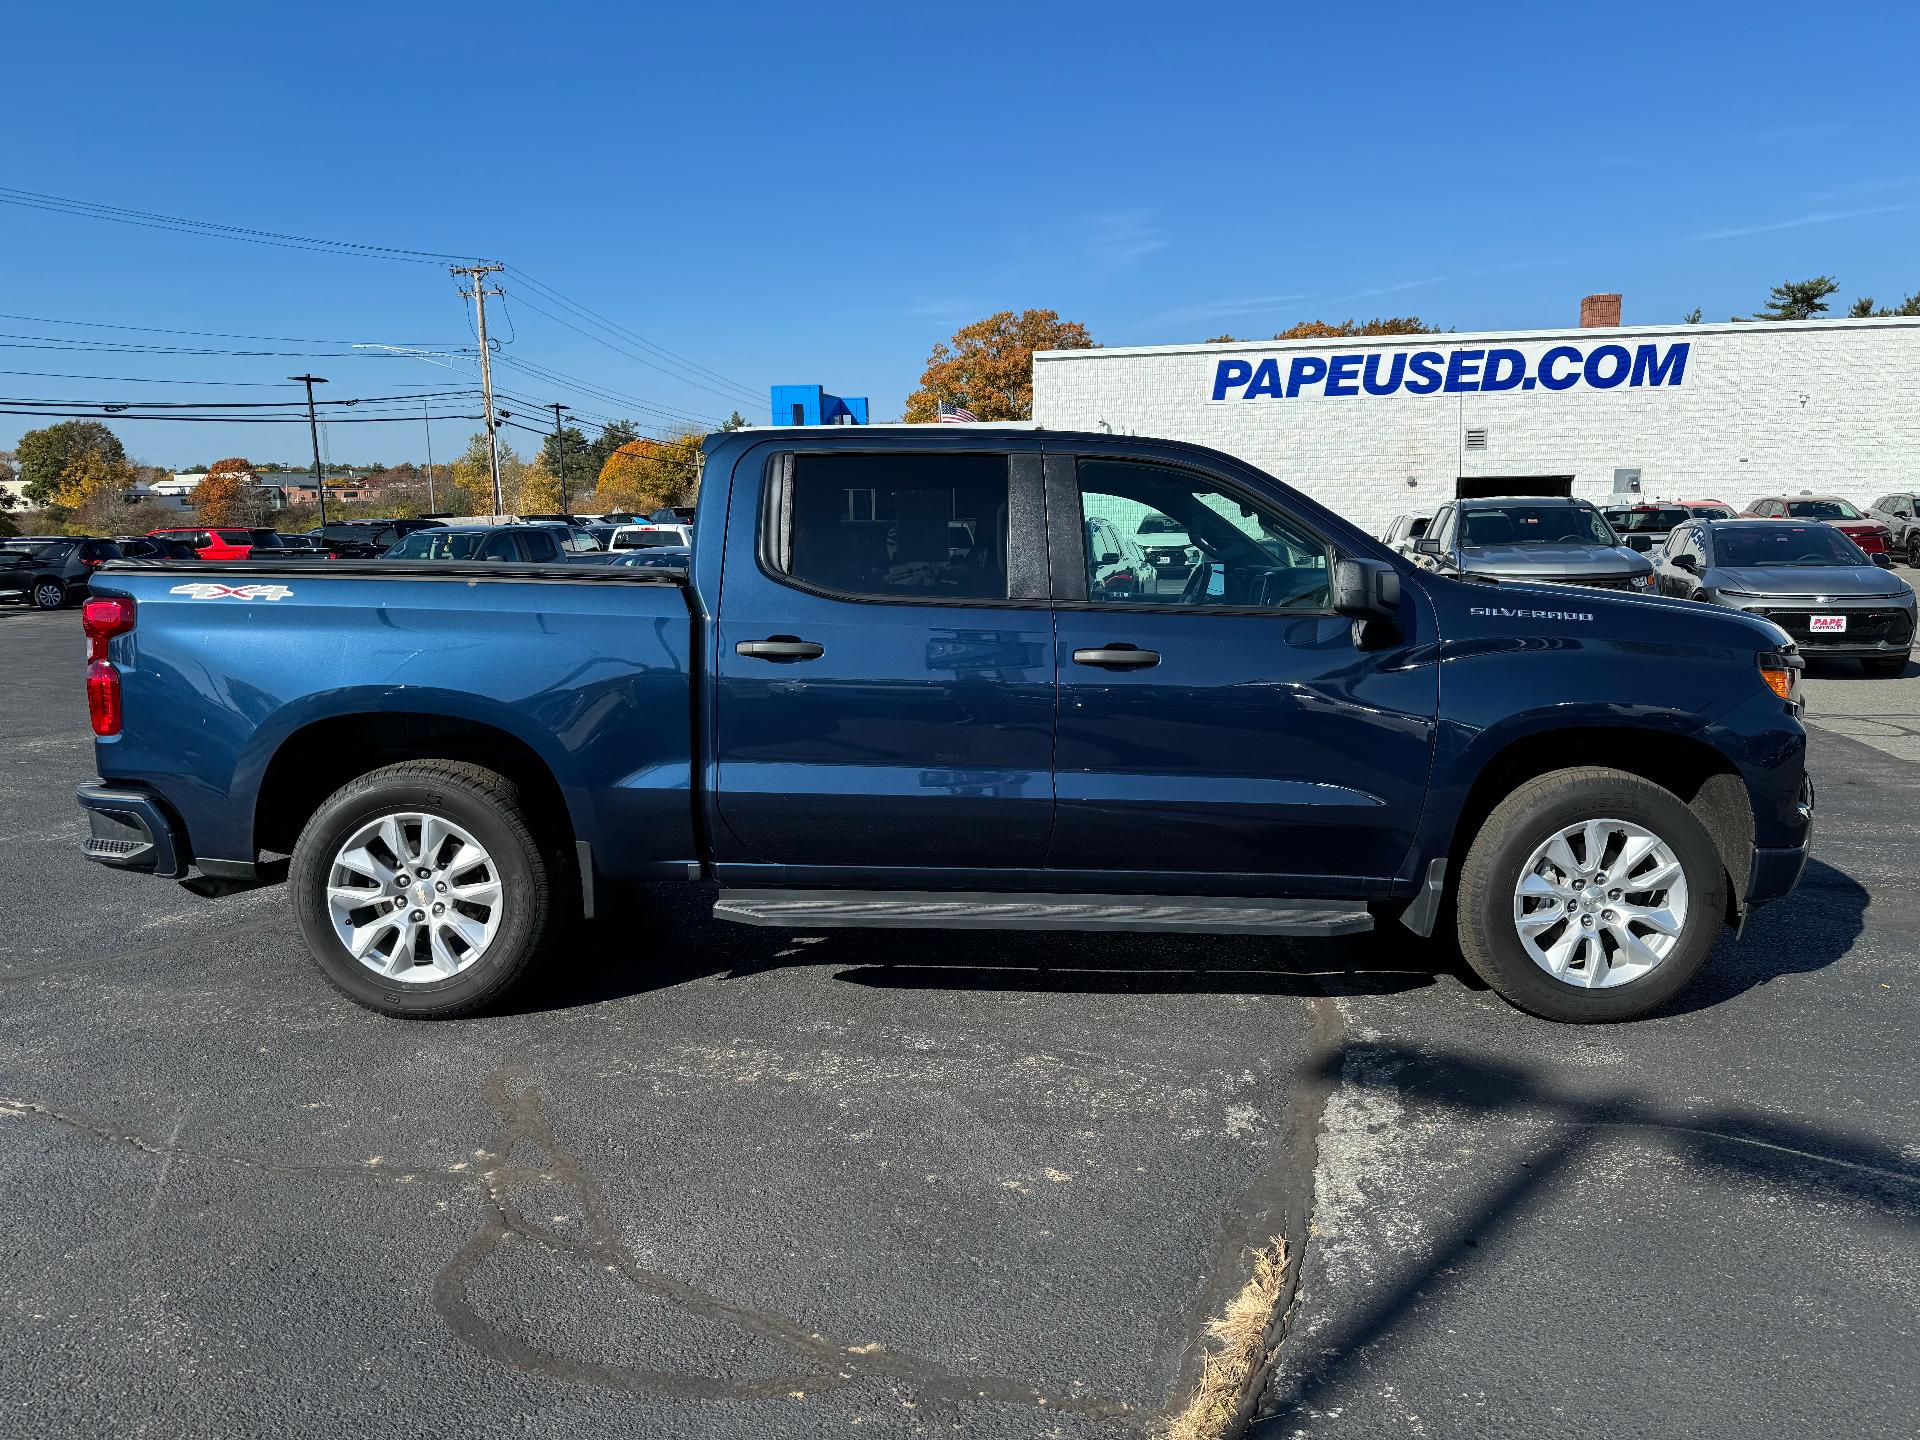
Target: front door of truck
884, 666
1222, 721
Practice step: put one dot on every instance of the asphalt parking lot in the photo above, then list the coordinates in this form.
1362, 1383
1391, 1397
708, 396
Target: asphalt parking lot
729, 1182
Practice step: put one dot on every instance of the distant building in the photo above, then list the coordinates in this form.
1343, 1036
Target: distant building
810, 405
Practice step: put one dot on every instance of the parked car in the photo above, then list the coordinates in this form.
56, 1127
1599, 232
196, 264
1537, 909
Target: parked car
674, 515
154, 547
50, 573
1645, 527
1814, 584
1705, 509
862, 728
1404, 530
1538, 539
222, 542
658, 557
1116, 565
1167, 546
529, 544
364, 539
648, 532
1900, 513
1843, 515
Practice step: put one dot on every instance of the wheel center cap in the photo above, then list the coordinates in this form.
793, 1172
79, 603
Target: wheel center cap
423, 893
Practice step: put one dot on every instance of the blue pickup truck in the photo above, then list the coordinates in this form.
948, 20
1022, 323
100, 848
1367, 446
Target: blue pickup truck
892, 687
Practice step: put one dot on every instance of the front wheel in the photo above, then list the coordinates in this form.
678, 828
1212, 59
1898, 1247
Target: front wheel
49, 594
421, 890
1590, 895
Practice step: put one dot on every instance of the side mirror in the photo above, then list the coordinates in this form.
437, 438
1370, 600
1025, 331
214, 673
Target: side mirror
1365, 589
1882, 559
1686, 563
1426, 546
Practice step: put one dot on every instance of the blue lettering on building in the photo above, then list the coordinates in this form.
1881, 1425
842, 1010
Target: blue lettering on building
1648, 365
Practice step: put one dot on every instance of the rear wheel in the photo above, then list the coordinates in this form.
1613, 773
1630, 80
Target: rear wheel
1590, 895
1913, 546
49, 594
421, 890
1884, 664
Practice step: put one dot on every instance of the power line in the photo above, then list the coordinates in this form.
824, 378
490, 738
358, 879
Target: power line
229, 404
13, 340
632, 335
733, 396
202, 334
409, 418
124, 215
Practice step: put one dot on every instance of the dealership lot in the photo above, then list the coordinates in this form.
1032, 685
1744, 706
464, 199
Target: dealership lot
726, 1181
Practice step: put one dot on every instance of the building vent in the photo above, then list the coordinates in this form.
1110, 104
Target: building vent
1477, 438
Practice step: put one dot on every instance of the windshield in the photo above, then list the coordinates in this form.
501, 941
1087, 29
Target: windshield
438, 545
1534, 525
1790, 545
1159, 525
1709, 512
1822, 510
1635, 521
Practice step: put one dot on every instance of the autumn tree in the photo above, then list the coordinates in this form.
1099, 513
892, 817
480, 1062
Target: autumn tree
472, 488
988, 366
45, 454
611, 437
93, 490
1343, 329
1799, 299
644, 475
540, 488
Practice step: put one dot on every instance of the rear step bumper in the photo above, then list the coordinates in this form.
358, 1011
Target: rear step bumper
131, 830
991, 910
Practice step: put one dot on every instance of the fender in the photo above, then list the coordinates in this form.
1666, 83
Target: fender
283, 724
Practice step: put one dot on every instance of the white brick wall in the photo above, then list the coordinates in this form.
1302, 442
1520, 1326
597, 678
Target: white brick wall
1825, 405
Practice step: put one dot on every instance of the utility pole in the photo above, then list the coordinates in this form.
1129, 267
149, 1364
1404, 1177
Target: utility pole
313, 427
480, 293
560, 444
429, 424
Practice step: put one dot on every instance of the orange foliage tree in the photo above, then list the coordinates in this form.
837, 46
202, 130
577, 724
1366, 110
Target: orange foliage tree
988, 365
1330, 330
226, 496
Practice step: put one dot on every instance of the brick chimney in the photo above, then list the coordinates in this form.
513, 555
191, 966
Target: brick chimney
1599, 312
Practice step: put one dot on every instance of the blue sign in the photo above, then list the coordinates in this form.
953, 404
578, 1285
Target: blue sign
1453, 372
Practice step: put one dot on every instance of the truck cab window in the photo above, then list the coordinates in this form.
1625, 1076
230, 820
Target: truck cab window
921, 527
1239, 552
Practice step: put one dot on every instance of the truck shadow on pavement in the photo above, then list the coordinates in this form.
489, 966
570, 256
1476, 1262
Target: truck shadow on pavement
1727, 1144
1003, 960
1813, 928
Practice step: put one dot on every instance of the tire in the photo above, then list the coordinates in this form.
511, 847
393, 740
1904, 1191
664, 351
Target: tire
1884, 664
471, 955
1504, 853
1913, 546
47, 595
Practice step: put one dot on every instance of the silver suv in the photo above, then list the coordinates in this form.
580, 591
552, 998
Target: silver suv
1900, 513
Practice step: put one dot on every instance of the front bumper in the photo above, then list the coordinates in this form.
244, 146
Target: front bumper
1877, 626
132, 830
1775, 871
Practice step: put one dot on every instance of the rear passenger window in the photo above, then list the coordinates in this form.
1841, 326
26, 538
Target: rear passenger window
499, 547
540, 545
912, 527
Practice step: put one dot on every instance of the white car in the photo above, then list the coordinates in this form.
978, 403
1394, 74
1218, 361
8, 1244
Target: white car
650, 534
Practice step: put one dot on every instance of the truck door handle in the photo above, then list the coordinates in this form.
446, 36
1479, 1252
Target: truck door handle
780, 647
1118, 657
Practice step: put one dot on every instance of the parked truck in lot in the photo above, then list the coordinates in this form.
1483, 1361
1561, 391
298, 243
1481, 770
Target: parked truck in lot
884, 693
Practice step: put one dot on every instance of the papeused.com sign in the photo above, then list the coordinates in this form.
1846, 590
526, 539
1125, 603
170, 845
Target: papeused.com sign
1452, 372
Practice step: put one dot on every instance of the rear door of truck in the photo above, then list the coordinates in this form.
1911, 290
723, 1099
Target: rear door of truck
883, 663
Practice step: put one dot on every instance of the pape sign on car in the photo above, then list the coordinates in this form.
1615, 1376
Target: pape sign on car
1829, 622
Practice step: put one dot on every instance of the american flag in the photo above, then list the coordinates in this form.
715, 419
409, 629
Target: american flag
956, 415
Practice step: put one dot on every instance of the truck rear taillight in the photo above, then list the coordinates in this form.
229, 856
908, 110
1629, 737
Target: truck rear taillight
103, 697
103, 618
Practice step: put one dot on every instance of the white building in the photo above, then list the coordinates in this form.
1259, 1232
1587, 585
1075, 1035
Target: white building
1375, 426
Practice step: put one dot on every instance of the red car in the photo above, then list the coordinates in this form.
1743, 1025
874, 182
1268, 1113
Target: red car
1870, 535
224, 543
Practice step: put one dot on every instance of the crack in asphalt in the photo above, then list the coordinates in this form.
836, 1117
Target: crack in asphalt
827, 1363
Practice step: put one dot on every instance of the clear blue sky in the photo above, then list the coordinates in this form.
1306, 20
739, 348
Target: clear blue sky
786, 195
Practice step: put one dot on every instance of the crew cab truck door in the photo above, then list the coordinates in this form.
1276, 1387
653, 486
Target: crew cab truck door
1224, 729
884, 666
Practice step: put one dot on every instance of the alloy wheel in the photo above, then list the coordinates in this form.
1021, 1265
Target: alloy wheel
1600, 903
414, 897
